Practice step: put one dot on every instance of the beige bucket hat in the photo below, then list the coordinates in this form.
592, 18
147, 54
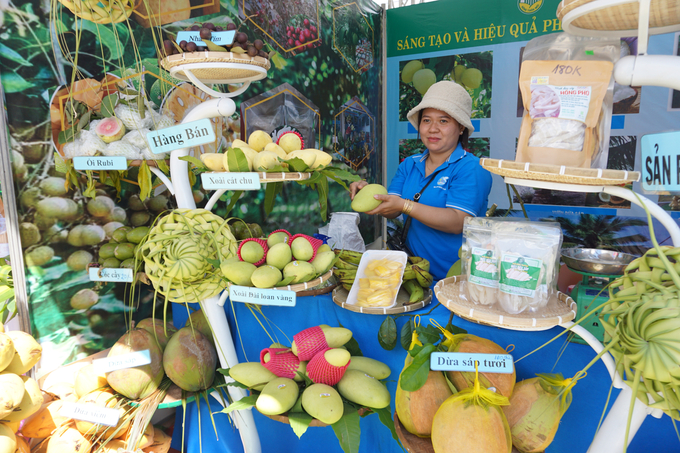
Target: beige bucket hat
448, 97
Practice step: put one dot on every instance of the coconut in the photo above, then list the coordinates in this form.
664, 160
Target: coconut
138, 382
503, 383
162, 332
416, 410
68, 440
189, 360
198, 321
472, 421
45, 421
103, 399
31, 401
536, 407
88, 379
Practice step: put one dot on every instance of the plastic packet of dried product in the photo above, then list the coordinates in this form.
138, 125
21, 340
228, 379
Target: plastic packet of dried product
567, 90
528, 254
479, 262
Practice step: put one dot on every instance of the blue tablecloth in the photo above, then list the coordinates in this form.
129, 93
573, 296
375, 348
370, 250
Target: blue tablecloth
576, 430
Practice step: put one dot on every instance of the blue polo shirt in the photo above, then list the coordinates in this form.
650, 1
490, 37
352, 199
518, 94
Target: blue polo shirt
461, 183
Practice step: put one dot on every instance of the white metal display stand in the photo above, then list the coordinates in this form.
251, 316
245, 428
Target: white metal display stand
179, 186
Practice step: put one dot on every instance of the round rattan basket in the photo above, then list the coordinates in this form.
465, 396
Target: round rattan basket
557, 173
403, 306
622, 16
217, 67
283, 176
299, 287
560, 309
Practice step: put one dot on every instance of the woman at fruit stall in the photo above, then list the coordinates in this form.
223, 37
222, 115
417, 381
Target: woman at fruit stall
455, 185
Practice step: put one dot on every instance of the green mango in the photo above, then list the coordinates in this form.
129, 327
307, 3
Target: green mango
251, 374
364, 201
363, 389
323, 402
278, 396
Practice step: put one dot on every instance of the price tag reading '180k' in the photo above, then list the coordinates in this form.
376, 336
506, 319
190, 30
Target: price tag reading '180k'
660, 162
259, 296
100, 163
183, 135
110, 274
463, 361
231, 181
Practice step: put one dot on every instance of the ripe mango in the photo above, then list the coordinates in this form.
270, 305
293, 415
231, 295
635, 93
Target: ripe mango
323, 402
279, 255
307, 155
214, 161
322, 158
276, 149
258, 140
230, 162
335, 337
252, 252
239, 144
290, 142
266, 160
364, 201
323, 261
251, 374
369, 366
337, 356
277, 397
324, 248
266, 277
238, 272
275, 238
302, 249
302, 270
364, 389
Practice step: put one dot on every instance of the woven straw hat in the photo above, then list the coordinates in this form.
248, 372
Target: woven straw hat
448, 97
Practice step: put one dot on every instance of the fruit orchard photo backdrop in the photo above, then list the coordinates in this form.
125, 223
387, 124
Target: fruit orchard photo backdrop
328, 51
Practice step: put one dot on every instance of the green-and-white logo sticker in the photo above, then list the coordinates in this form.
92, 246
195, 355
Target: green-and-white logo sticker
484, 268
519, 275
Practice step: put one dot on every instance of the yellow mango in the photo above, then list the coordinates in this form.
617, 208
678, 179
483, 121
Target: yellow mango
214, 161
323, 402
369, 366
277, 397
251, 374
364, 389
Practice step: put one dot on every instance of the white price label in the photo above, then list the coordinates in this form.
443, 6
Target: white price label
90, 413
121, 362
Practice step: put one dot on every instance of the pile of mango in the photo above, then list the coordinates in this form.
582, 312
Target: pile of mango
314, 376
260, 153
279, 260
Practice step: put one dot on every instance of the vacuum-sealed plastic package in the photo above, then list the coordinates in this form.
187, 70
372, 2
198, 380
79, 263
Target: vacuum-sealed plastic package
479, 261
528, 260
567, 90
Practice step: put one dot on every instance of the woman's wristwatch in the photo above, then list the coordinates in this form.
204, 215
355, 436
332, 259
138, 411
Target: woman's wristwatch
408, 206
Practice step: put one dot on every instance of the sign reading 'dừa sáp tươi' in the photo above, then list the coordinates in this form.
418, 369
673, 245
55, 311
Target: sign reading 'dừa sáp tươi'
231, 181
463, 361
660, 162
260, 296
183, 135
110, 274
121, 362
90, 413
221, 38
100, 163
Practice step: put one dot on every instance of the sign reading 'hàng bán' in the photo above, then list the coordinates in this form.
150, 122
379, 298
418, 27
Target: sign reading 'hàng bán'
463, 361
183, 135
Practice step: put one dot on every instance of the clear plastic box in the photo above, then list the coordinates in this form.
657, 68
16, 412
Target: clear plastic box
372, 286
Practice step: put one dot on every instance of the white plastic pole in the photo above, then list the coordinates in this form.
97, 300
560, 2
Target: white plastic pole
654, 70
179, 171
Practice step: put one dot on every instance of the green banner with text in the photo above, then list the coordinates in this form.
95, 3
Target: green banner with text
412, 30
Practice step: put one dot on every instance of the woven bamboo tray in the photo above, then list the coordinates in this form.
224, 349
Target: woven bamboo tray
557, 173
283, 418
559, 310
411, 442
340, 298
621, 16
219, 71
283, 176
300, 287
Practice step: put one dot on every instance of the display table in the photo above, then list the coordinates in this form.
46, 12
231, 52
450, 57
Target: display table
575, 434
